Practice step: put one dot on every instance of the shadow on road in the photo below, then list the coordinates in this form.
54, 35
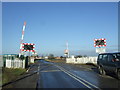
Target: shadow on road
96, 70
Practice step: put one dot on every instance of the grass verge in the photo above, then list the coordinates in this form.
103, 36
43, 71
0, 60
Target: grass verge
55, 60
9, 74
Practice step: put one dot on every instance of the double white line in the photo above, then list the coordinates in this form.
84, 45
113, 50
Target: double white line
79, 79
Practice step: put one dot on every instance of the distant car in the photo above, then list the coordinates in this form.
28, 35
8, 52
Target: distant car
109, 62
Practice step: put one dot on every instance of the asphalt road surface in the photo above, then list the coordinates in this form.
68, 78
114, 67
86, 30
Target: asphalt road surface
62, 75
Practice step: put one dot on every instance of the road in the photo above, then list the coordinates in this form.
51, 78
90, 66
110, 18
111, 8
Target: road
62, 75
45, 74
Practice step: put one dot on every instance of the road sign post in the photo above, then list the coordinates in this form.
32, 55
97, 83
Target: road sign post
100, 44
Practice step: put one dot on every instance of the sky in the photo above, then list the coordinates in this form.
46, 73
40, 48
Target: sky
49, 25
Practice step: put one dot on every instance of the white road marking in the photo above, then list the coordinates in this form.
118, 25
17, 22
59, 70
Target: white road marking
78, 78
28, 69
38, 69
51, 71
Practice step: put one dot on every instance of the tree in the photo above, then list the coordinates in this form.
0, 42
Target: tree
51, 56
85, 55
79, 56
22, 57
61, 57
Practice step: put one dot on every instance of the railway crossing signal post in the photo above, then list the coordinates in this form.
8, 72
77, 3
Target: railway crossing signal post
100, 43
30, 47
25, 46
66, 52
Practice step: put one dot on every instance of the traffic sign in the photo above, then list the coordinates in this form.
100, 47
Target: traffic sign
100, 42
100, 50
66, 51
28, 47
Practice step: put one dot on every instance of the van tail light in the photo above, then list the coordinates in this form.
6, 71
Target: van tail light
114, 60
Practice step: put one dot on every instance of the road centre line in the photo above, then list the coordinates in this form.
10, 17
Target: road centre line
38, 69
82, 79
51, 71
75, 78
78, 78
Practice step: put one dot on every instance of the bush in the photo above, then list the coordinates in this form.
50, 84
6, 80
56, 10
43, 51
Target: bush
51, 56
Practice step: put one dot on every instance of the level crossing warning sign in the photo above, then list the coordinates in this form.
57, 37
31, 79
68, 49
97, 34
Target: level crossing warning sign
100, 42
100, 45
28, 47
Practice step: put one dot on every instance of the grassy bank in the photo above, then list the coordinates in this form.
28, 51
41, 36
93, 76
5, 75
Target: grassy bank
55, 60
9, 74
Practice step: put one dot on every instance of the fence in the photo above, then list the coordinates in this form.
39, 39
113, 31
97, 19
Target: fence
31, 59
82, 60
13, 61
